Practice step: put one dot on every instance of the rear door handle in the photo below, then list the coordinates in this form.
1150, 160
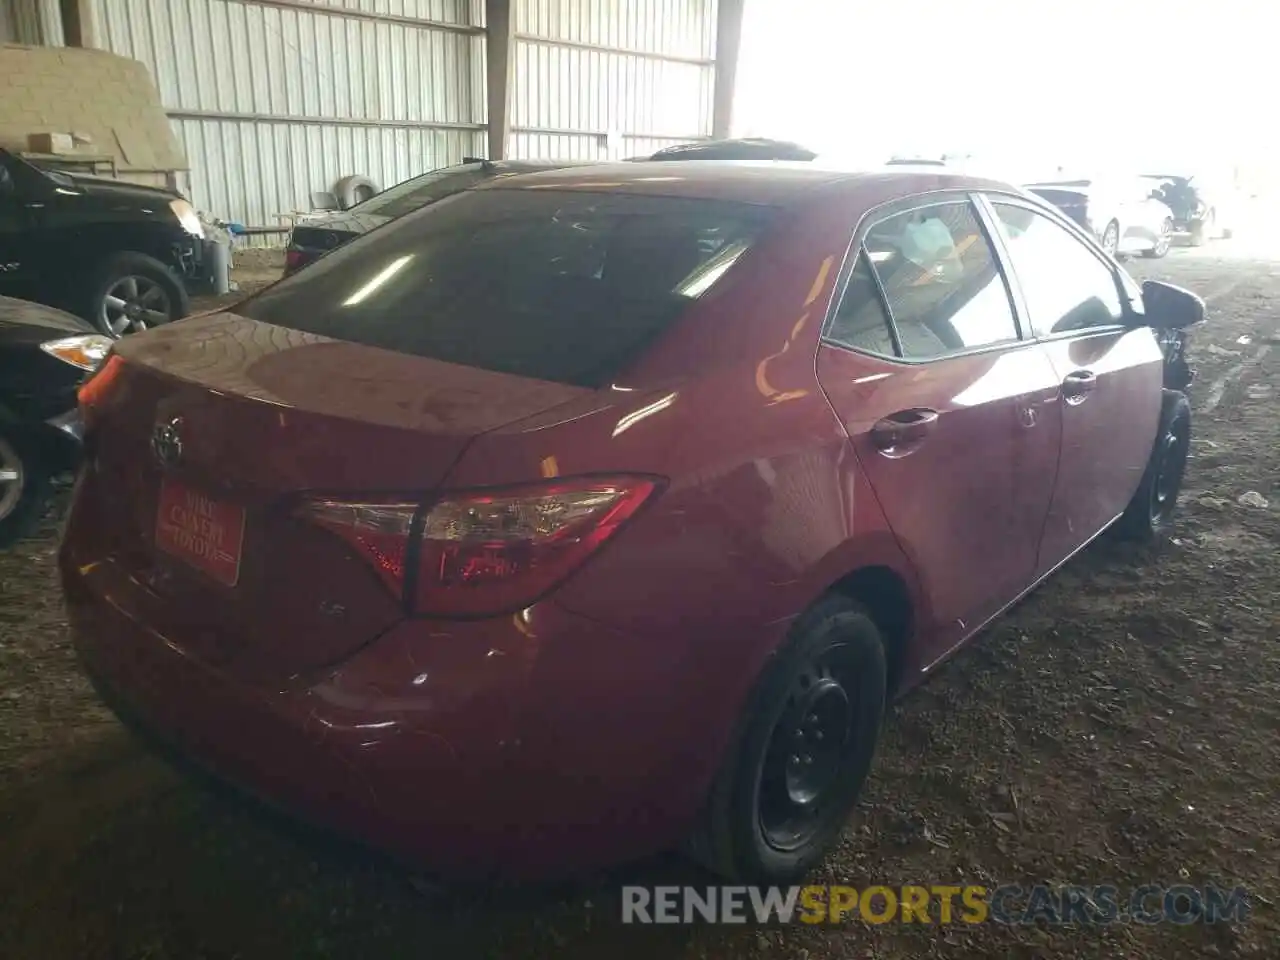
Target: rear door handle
1077, 385
900, 433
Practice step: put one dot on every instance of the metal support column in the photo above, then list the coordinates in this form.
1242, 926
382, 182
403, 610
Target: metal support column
499, 32
728, 39
77, 22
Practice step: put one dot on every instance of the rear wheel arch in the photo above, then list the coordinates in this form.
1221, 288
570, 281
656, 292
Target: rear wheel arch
877, 570
888, 599
888, 596
731, 834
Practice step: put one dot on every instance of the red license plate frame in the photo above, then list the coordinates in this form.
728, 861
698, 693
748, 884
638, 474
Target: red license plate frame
203, 532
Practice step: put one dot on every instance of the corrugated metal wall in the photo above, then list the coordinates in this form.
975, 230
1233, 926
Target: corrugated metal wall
275, 99
272, 103
34, 22
611, 78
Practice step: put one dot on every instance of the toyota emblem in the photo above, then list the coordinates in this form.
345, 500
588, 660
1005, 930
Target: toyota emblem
166, 441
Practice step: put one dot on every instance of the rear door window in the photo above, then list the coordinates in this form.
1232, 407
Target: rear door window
549, 284
941, 282
860, 321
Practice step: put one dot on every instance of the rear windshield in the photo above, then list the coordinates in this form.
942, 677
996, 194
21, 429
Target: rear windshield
555, 285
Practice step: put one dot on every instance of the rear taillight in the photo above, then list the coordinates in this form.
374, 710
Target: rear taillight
485, 553
294, 259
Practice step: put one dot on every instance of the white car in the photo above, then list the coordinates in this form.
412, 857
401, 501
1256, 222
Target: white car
1121, 212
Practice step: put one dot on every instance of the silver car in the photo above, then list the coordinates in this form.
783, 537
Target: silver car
1121, 212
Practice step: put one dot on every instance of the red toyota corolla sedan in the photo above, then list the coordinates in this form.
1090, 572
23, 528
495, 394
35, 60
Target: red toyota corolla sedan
593, 512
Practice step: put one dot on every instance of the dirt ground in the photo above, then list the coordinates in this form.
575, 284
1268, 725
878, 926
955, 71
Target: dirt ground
1120, 726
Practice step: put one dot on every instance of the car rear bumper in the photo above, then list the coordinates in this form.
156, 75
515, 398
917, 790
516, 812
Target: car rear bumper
548, 764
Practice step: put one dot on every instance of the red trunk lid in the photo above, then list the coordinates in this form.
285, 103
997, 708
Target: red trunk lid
259, 416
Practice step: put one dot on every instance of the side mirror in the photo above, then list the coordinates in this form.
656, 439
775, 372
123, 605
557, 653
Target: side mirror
1167, 307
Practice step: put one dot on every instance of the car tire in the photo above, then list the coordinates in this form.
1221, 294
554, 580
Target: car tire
131, 292
1110, 239
1163, 242
24, 485
354, 189
1149, 516
801, 752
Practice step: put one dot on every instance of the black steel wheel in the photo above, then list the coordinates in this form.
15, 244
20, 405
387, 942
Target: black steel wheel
1170, 463
804, 748
1149, 516
806, 751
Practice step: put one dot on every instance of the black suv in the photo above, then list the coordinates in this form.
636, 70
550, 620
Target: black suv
120, 255
1203, 209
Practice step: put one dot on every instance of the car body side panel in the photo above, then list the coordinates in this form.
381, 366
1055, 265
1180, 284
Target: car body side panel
765, 508
966, 504
727, 405
764, 511
1106, 438
1144, 221
19, 258
1136, 233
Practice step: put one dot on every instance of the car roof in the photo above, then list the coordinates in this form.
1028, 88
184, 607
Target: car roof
521, 166
770, 183
741, 148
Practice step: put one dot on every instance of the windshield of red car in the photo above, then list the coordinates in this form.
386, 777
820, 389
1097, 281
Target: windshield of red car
551, 284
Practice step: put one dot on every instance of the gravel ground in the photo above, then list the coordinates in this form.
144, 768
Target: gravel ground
1120, 726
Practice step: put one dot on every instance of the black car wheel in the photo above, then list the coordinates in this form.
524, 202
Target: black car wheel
1111, 238
803, 751
24, 483
1163, 242
1149, 516
133, 292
